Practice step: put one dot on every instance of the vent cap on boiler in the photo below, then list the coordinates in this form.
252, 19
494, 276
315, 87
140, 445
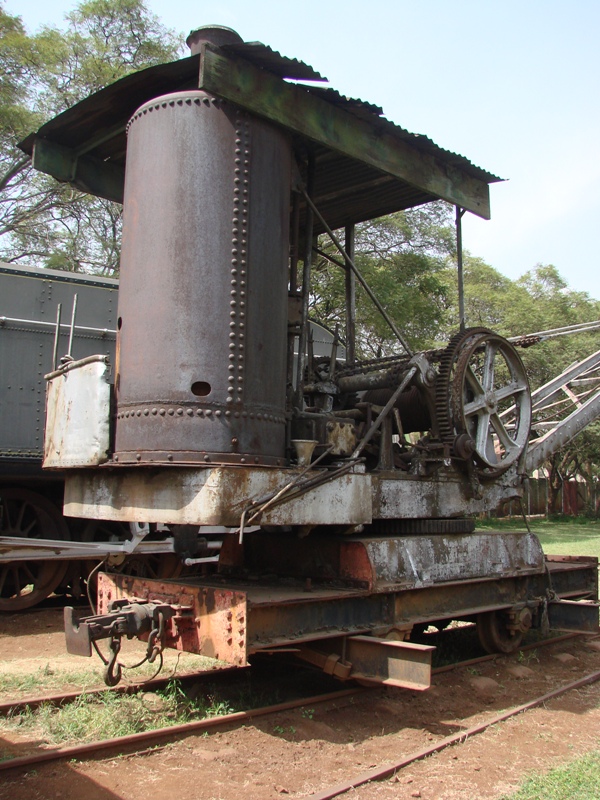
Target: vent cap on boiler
215, 34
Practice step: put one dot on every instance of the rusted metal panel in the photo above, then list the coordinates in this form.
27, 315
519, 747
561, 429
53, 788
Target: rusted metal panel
409, 497
202, 298
212, 622
380, 564
401, 664
567, 615
216, 496
323, 122
417, 561
78, 414
574, 576
233, 620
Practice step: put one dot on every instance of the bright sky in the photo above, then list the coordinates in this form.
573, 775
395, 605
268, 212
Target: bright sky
511, 85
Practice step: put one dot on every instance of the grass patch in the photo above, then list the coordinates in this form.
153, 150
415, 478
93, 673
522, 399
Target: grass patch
47, 679
576, 781
565, 536
106, 715
36, 676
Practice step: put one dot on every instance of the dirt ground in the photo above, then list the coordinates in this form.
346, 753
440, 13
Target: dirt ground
297, 753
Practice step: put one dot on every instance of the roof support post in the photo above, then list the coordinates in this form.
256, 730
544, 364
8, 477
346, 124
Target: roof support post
459, 260
350, 296
306, 270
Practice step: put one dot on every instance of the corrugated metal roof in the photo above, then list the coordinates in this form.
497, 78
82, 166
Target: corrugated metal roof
347, 190
263, 56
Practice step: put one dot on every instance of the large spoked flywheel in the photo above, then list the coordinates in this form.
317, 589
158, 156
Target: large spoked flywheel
483, 401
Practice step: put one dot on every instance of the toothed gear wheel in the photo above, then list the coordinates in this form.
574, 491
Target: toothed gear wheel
482, 391
418, 527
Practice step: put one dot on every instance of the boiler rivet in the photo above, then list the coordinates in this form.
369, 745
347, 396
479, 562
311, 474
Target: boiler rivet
162, 412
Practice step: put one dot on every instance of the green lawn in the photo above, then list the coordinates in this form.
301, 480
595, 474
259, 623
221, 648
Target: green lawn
579, 780
564, 536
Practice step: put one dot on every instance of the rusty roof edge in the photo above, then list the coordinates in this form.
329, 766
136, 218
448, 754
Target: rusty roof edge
261, 55
182, 68
374, 115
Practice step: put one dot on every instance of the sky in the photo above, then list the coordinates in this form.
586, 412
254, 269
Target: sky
512, 86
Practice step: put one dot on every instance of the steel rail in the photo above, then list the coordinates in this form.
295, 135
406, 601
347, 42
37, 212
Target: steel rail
67, 697
457, 738
172, 732
63, 698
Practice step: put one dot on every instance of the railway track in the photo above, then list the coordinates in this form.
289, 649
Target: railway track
134, 742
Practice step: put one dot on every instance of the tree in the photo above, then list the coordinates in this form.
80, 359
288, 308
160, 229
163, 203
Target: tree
402, 257
42, 222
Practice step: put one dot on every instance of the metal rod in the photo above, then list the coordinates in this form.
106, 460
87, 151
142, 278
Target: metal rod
350, 298
359, 277
459, 260
294, 247
45, 324
73, 313
580, 327
306, 269
56, 337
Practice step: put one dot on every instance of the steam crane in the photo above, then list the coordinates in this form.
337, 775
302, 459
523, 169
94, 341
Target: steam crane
347, 487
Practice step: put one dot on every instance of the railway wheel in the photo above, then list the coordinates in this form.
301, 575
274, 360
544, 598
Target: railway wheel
29, 515
494, 634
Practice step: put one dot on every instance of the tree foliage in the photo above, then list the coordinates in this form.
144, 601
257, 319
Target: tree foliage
402, 258
42, 222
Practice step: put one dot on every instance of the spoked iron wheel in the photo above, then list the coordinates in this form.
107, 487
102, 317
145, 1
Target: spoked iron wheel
483, 394
29, 515
494, 634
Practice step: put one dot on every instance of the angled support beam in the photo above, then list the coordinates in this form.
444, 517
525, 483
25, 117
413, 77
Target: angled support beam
542, 448
292, 107
86, 173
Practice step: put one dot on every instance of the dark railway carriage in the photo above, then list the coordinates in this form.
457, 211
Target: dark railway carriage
227, 172
31, 499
